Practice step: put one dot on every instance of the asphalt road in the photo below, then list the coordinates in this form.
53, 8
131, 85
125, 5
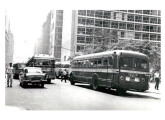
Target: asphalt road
63, 96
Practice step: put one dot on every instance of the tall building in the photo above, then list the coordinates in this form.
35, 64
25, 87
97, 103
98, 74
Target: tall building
89, 25
9, 42
56, 27
51, 38
42, 44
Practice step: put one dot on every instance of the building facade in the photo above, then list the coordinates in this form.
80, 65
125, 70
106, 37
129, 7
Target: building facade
9, 43
51, 38
56, 27
88, 26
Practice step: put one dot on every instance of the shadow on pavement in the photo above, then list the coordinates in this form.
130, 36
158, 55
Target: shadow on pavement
127, 94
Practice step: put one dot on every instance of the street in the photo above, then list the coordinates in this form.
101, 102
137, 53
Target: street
62, 96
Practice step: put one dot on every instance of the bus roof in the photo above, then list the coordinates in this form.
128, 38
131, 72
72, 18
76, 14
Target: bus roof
43, 56
101, 54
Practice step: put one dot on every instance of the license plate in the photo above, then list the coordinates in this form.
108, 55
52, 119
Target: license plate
127, 78
137, 80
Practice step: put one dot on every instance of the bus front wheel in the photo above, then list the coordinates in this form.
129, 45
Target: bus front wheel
95, 83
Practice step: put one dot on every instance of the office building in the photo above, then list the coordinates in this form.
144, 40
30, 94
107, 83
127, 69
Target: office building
88, 26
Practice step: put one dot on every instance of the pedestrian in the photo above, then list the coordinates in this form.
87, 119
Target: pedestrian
157, 80
9, 72
64, 75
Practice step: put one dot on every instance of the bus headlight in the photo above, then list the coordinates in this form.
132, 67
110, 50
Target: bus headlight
143, 79
121, 78
127, 78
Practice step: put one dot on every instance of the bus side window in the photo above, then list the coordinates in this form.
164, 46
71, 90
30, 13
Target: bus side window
99, 62
105, 62
110, 62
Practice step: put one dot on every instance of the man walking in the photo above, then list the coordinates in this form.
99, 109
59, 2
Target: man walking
157, 80
9, 75
64, 75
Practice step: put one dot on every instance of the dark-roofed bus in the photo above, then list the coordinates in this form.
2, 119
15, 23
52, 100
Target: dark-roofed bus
46, 62
119, 69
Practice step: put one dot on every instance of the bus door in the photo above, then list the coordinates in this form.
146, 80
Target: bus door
110, 71
115, 69
103, 71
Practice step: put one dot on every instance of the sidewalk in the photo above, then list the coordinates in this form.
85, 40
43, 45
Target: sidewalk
152, 88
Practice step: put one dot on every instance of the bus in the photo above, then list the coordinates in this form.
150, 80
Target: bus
60, 66
17, 68
119, 69
46, 62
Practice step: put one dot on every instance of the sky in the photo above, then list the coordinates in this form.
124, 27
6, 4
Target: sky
26, 26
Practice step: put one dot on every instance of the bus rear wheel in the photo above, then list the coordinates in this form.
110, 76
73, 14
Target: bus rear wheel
95, 83
71, 80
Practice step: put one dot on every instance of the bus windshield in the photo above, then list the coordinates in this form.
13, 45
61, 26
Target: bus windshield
44, 62
141, 64
136, 63
126, 62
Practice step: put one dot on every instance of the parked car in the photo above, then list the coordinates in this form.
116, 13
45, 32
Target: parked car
32, 75
18, 67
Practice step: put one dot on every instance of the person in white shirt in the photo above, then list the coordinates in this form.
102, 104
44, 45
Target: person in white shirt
157, 80
9, 75
64, 75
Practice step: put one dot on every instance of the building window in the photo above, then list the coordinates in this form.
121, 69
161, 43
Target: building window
146, 19
98, 23
137, 35
122, 34
89, 31
59, 23
99, 13
123, 16
114, 15
130, 26
81, 20
90, 21
89, 40
159, 13
98, 31
138, 18
132, 11
90, 13
146, 28
64, 58
159, 21
145, 36
130, 17
153, 28
82, 12
106, 23
153, 37
80, 39
153, 12
146, 12
159, 29
98, 40
159, 38
114, 24
138, 11
80, 48
107, 14
81, 30
122, 25
138, 27
153, 20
